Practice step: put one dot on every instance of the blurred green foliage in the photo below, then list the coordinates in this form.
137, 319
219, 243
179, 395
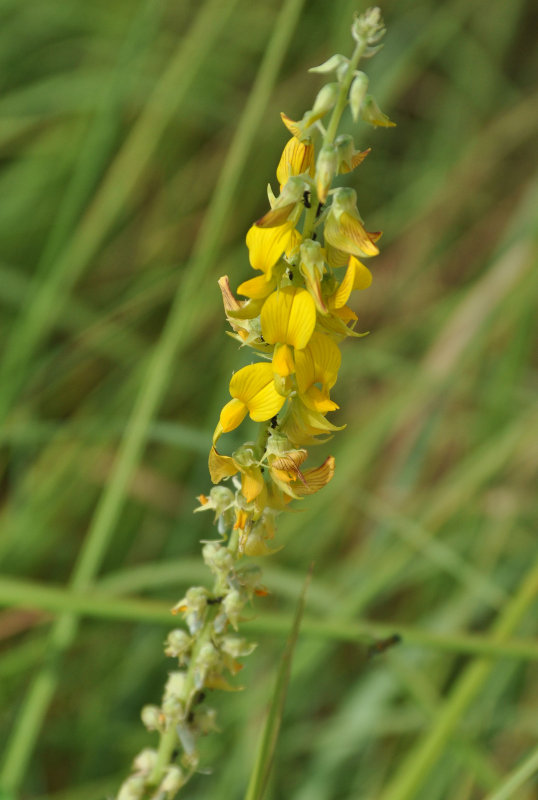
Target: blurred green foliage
116, 120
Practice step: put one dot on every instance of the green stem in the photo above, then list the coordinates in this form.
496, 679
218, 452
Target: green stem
341, 103
330, 134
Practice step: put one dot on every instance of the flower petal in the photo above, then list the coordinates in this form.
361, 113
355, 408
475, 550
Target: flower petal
363, 276
248, 381
266, 245
252, 483
289, 317
348, 234
220, 467
297, 157
283, 363
231, 416
256, 288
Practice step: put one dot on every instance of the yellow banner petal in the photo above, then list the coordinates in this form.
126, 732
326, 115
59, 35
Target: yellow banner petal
317, 478
266, 404
283, 363
266, 245
302, 319
248, 381
289, 317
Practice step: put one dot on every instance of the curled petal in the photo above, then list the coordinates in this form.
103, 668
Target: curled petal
254, 387
315, 479
283, 363
220, 467
252, 483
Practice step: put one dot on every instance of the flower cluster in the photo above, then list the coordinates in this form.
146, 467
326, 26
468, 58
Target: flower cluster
308, 250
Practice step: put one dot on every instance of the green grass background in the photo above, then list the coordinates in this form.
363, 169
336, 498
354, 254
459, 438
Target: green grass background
136, 141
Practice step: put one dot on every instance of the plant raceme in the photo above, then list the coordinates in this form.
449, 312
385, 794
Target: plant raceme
307, 252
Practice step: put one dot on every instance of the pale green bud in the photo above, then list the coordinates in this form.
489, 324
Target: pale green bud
236, 647
173, 782
193, 607
178, 644
219, 560
370, 112
208, 659
326, 169
368, 27
175, 697
232, 606
133, 788
145, 760
332, 63
344, 199
346, 149
357, 93
325, 100
245, 455
151, 717
206, 720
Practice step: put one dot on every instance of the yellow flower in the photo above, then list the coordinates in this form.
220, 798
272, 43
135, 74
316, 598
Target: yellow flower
344, 232
297, 157
266, 245
357, 277
319, 363
253, 392
302, 425
288, 319
220, 467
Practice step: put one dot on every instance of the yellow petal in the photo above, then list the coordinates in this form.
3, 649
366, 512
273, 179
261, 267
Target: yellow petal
348, 234
266, 245
317, 400
248, 381
231, 416
292, 126
297, 157
319, 362
266, 404
220, 467
289, 317
363, 276
340, 297
283, 363
252, 483
317, 478
275, 217
256, 288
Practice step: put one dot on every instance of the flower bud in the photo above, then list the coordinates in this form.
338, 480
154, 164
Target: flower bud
219, 560
151, 717
332, 63
145, 760
206, 720
326, 169
233, 605
237, 647
193, 607
208, 659
357, 93
172, 782
325, 100
370, 112
178, 644
368, 27
133, 788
